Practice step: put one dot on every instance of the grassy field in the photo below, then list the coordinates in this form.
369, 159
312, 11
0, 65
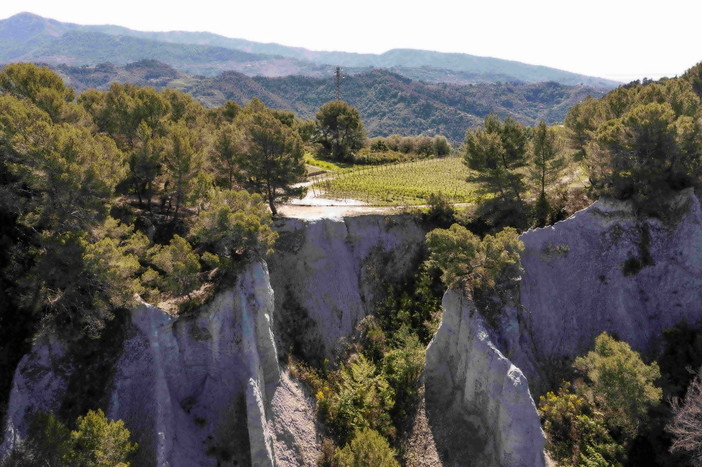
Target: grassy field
331, 166
406, 183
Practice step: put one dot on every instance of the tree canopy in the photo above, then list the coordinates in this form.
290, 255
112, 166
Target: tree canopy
339, 130
270, 160
641, 141
96, 442
130, 192
463, 258
495, 153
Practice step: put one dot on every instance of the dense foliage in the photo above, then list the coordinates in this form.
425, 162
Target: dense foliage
367, 449
270, 157
366, 400
465, 259
125, 194
495, 153
597, 420
102, 186
95, 442
339, 130
641, 142
547, 168
519, 172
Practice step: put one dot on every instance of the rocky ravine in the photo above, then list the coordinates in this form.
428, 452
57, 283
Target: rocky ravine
194, 387
328, 274
206, 386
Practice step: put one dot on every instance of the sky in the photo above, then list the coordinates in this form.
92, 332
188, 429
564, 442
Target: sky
621, 40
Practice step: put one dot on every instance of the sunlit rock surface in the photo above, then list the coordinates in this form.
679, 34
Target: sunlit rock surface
603, 270
478, 403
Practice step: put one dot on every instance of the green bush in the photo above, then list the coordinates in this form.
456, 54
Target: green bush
359, 397
574, 432
619, 385
96, 442
465, 259
234, 223
441, 212
367, 449
403, 366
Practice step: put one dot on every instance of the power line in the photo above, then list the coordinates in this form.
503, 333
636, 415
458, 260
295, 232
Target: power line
338, 83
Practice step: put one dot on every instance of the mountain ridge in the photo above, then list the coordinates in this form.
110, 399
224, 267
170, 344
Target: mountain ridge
282, 60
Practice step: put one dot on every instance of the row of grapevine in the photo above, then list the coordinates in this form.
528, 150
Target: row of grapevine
405, 183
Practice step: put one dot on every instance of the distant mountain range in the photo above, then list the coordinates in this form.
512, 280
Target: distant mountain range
388, 102
28, 37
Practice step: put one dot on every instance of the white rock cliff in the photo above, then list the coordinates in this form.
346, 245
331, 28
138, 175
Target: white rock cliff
328, 274
191, 388
478, 402
208, 386
604, 270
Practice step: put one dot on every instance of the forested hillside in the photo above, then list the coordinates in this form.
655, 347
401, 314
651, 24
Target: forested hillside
388, 102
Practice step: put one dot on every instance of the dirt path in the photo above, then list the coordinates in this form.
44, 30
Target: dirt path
336, 211
323, 208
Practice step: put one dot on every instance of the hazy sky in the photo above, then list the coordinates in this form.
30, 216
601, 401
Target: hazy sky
617, 39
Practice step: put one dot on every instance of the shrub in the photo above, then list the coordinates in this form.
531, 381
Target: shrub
464, 258
441, 212
402, 367
180, 267
367, 449
574, 432
96, 442
619, 384
360, 397
235, 222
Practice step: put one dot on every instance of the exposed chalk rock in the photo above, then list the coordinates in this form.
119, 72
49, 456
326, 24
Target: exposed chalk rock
602, 270
189, 388
292, 421
328, 274
260, 439
39, 383
478, 403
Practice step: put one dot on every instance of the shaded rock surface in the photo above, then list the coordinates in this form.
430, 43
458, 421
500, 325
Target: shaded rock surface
40, 383
329, 273
478, 403
193, 390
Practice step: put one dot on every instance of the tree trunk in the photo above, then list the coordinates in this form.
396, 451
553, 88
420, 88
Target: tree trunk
271, 199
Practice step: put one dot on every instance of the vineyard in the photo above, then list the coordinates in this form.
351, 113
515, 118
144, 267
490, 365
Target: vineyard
405, 183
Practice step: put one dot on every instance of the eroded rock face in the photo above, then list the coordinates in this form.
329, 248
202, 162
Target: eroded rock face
39, 383
192, 390
178, 377
328, 274
602, 270
478, 403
